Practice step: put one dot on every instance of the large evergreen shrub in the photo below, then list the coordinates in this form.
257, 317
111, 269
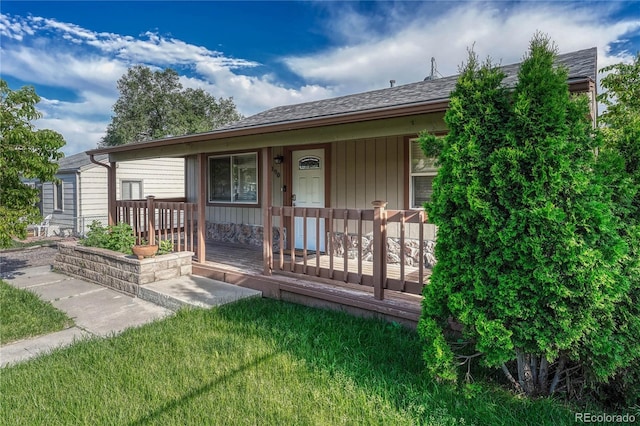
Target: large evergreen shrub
619, 167
528, 249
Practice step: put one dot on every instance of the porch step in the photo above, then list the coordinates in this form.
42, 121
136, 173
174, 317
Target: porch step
193, 291
318, 292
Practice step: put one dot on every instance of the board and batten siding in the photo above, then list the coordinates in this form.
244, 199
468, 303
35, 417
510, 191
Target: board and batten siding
361, 171
366, 170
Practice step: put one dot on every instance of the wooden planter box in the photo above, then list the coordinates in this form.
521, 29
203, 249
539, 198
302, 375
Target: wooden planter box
119, 271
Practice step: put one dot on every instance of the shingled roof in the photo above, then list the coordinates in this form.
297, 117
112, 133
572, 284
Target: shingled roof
580, 64
77, 162
413, 98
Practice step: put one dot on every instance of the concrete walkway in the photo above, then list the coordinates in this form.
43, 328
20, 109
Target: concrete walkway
101, 311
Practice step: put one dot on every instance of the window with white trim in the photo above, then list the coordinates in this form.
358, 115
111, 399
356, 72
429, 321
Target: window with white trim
422, 171
131, 190
58, 196
233, 178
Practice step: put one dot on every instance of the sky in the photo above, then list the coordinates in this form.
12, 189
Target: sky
265, 54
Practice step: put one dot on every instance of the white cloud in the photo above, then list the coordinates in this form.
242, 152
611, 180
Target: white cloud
390, 41
80, 135
491, 28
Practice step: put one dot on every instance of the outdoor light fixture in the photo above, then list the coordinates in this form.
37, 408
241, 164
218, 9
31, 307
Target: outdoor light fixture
278, 159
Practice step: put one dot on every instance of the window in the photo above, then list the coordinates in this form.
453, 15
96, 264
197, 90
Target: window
131, 190
234, 179
421, 174
58, 196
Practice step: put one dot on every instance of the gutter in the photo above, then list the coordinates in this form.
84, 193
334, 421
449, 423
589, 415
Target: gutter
94, 161
78, 206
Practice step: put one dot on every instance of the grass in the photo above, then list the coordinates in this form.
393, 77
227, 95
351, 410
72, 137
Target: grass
23, 314
254, 362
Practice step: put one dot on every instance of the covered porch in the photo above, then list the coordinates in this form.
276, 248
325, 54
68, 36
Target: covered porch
241, 265
370, 261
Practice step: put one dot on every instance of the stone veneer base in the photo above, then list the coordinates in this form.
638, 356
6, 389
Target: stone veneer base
119, 271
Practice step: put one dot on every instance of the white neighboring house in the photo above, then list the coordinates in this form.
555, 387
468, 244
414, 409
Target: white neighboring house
80, 195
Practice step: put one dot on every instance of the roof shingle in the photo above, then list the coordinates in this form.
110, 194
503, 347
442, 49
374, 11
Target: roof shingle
580, 64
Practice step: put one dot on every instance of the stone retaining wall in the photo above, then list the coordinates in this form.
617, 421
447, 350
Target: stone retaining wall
119, 271
411, 250
253, 235
239, 233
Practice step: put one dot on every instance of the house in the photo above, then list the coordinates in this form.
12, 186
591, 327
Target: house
80, 195
330, 189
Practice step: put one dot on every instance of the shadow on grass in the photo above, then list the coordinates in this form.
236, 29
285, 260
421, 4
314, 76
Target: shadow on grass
186, 398
385, 359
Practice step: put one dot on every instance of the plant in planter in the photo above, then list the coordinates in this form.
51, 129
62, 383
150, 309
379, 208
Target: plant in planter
165, 247
118, 237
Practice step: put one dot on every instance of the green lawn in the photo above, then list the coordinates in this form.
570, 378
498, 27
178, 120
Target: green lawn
254, 362
23, 314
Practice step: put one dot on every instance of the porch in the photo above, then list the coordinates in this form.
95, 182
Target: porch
372, 261
242, 265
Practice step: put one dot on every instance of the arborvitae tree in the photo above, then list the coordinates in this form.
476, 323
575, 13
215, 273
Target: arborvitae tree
527, 244
619, 167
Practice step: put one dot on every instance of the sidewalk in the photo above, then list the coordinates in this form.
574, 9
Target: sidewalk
96, 311
101, 311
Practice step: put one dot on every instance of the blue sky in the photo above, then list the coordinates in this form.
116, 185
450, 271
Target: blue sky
265, 54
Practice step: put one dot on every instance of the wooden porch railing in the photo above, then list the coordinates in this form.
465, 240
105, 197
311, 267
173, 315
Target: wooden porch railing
345, 233
170, 219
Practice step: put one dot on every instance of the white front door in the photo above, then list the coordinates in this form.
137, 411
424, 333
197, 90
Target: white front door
308, 191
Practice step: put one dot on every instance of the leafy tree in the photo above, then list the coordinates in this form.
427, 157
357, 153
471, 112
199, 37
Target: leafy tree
528, 248
619, 164
152, 104
26, 153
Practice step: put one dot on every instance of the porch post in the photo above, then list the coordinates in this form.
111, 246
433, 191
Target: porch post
267, 225
202, 203
151, 220
111, 194
379, 248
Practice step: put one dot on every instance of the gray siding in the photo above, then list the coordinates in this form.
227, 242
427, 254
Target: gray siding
63, 221
163, 178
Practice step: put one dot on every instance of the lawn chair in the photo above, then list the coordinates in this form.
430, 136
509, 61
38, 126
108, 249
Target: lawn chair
44, 226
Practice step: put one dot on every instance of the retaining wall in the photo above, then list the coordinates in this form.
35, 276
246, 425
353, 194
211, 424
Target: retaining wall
119, 271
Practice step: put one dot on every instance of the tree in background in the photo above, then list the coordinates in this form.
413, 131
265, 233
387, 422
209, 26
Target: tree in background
619, 165
152, 105
528, 249
25, 153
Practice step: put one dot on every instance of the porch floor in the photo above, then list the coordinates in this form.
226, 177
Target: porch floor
243, 265
241, 258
